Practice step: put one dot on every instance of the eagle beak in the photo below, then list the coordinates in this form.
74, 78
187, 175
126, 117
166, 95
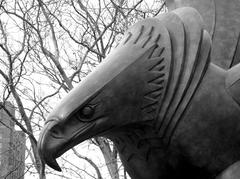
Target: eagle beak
56, 138
48, 146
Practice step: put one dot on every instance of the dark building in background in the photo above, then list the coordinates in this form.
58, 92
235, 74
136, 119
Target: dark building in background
12, 147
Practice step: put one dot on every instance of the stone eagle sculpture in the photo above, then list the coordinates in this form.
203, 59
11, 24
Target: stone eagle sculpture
170, 112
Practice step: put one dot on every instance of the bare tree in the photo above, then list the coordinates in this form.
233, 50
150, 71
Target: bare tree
47, 47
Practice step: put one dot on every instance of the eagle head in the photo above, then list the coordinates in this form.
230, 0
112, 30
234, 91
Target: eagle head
121, 91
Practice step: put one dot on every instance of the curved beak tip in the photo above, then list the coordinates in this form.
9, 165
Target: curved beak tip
46, 155
54, 165
50, 161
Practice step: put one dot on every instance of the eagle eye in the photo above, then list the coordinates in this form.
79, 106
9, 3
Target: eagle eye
87, 112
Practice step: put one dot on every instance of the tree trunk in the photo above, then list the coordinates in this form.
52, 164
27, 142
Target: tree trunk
110, 157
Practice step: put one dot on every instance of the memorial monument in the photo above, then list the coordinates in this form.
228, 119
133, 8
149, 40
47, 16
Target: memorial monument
169, 110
